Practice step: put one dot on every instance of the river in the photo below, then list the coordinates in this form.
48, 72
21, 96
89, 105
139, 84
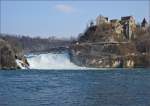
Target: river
109, 87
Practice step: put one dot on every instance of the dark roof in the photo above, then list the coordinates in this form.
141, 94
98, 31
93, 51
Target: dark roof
144, 22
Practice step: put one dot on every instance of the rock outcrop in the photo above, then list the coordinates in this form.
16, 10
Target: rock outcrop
109, 56
8, 57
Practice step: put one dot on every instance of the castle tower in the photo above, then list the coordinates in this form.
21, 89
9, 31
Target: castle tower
101, 19
129, 25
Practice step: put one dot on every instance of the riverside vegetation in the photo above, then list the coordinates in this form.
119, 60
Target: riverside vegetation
106, 44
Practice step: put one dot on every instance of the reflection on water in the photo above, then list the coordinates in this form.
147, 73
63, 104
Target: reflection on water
75, 88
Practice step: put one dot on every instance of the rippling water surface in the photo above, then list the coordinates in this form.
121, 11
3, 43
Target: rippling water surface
120, 87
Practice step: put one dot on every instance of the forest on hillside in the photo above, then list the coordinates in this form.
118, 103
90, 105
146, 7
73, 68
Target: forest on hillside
104, 33
26, 44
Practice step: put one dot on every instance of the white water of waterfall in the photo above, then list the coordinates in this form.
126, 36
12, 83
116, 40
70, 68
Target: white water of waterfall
51, 61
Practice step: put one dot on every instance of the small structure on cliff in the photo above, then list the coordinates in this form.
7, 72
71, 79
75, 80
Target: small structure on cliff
101, 19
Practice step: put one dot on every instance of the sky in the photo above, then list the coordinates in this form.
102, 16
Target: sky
63, 19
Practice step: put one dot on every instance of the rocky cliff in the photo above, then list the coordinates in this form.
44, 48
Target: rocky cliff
108, 56
9, 57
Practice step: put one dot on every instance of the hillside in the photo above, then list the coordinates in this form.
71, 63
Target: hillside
25, 44
113, 44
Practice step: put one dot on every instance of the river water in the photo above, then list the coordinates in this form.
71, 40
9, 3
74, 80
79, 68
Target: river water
115, 87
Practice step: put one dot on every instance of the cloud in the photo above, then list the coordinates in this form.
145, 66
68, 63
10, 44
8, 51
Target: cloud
64, 8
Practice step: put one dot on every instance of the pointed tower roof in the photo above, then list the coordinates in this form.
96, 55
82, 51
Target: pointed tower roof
144, 22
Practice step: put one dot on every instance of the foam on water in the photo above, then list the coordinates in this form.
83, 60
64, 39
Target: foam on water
51, 61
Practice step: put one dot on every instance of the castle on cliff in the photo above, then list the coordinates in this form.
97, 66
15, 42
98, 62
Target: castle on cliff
126, 25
